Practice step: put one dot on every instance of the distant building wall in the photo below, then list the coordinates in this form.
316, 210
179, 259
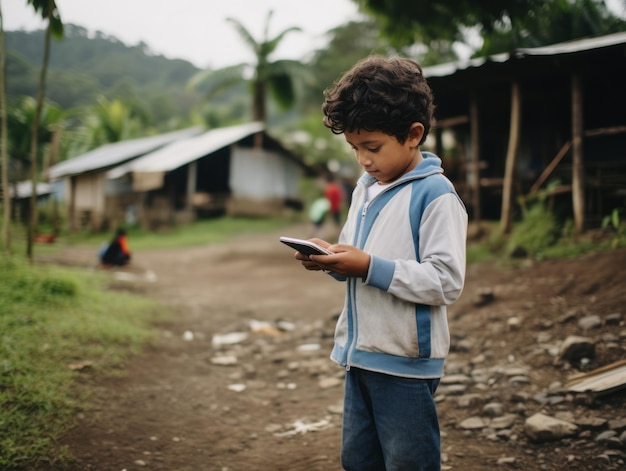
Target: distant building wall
89, 200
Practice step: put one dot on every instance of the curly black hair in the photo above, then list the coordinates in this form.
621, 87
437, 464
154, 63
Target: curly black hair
380, 94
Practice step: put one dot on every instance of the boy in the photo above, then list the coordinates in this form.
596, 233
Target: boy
401, 253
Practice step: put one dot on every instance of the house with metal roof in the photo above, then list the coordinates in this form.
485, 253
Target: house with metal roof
80, 181
180, 176
236, 170
535, 117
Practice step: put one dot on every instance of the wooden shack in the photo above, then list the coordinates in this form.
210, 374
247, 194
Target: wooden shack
521, 120
237, 170
80, 181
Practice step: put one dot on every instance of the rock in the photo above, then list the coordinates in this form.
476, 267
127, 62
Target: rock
569, 316
483, 297
225, 360
464, 345
326, 383
514, 323
590, 322
335, 409
456, 379
309, 347
229, 339
617, 425
504, 422
609, 439
519, 380
470, 400
452, 389
493, 409
515, 371
613, 319
473, 423
507, 460
541, 428
576, 348
591, 422
239, 387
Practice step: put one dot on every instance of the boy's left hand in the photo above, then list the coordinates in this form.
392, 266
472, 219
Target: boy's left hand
346, 260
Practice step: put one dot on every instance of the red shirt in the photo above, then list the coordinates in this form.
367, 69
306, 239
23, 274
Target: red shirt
334, 194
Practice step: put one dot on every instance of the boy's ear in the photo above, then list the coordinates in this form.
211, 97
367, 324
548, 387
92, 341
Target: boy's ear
416, 132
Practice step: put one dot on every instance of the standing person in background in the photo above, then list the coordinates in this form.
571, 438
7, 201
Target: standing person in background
401, 254
334, 194
317, 214
117, 253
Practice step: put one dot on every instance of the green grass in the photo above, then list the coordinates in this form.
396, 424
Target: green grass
538, 237
51, 318
198, 233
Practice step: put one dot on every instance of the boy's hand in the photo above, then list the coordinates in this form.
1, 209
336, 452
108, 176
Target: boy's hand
346, 260
306, 261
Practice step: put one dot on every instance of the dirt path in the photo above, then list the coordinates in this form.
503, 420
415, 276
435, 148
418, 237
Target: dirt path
271, 401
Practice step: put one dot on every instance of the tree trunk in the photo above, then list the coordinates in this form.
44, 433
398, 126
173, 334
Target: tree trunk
32, 223
4, 155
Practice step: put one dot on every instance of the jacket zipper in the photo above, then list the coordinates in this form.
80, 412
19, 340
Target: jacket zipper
353, 285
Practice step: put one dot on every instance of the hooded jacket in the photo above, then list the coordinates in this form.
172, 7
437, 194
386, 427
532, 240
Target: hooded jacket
394, 321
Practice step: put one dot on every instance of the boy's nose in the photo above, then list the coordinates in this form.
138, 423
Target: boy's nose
363, 160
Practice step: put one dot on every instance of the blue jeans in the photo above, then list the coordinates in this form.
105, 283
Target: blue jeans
389, 423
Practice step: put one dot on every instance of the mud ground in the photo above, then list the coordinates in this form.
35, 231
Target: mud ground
194, 402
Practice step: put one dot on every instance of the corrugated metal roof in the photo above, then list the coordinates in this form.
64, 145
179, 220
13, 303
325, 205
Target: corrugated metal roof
117, 152
444, 70
575, 46
449, 68
182, 152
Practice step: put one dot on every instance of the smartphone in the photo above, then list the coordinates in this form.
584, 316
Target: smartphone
305, 247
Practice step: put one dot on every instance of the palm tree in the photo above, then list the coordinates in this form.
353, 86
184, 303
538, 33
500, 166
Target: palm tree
273, 78
111, 121
49, 11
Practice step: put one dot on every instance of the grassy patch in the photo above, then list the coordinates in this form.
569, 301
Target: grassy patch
198, 233
538, 236
50, 320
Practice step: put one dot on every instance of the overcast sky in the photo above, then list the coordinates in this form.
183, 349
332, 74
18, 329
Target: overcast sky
196, 30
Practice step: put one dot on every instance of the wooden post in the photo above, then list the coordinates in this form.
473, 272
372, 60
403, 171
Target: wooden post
192, 173
578, 183
475, 152
439, 142
72, 204
511, 159
548, 170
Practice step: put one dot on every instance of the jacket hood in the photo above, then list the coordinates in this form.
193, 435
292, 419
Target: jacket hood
430, 164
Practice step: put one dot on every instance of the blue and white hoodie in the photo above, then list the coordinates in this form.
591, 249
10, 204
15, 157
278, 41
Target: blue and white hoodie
394, 321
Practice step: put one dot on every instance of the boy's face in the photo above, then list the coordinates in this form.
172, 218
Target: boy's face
382, 156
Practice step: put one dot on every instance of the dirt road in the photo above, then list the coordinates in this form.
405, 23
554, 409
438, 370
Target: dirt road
240, 378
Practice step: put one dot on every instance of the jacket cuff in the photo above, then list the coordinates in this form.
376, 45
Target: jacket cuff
380, 272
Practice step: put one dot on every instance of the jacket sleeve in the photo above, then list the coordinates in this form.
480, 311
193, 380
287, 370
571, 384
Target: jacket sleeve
438, 278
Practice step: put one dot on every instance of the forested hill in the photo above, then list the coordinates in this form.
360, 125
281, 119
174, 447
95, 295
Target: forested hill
81, 68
